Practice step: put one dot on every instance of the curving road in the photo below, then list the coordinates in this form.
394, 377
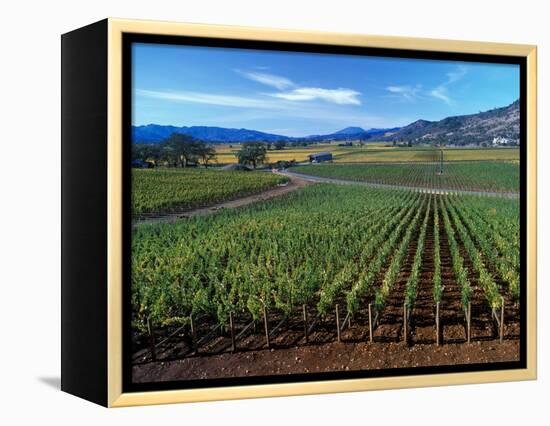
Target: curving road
319, 179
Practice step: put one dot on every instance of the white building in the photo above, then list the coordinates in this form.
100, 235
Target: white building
500, 140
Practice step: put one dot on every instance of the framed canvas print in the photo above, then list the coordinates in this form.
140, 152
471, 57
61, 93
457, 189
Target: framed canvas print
250, 212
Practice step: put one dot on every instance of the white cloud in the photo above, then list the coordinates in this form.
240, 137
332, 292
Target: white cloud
441, 93
210, 99
406, 92
337, 96
290, 91
457, 74
272, 80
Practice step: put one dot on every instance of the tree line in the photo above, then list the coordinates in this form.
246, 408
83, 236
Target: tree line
179, 150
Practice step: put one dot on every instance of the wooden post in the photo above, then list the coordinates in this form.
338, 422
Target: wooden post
194, 334
266, 326
469, 322
437, 332
232, 327
405, 322
502, 320
151, 339
338, 322
254, 325
370, 322
304, 310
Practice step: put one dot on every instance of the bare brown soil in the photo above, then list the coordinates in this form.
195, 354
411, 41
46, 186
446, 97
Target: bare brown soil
289, 353
347, 355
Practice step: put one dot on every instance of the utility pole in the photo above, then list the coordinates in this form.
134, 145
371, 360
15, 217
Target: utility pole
440, 158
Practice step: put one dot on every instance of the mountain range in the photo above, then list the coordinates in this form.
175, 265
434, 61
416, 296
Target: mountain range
463, 129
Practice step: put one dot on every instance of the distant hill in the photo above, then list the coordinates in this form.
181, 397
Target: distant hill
459, 130
350, 131
464, 129
155, 133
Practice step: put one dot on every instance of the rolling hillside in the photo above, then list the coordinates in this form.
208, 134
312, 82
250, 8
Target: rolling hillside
477, 128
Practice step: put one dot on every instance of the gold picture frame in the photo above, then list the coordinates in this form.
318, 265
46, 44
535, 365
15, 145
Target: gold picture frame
115, 29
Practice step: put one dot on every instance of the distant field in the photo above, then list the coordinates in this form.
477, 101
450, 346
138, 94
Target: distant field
160, 190
386, 155
504, 154
375, 152
480, 176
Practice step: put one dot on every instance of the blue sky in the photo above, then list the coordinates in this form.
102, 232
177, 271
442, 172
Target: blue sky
298, 94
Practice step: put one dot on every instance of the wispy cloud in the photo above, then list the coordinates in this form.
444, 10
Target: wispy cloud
290, 91
337, 96
405, 92
252, 109
457, 74
209, 99
441, 92
272, 80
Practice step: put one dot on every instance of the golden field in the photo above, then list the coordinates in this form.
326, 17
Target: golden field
373, 152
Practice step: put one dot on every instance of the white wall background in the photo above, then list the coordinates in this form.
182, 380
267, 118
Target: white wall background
30, 210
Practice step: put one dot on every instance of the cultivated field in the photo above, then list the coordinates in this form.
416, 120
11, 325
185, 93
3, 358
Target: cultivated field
490, 176
329, 263
270, 283
373, 152
162, 190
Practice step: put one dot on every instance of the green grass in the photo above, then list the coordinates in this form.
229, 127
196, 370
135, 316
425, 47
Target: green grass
161, 190
476, 176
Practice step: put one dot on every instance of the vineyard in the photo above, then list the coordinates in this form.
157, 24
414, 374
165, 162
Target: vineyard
161, 190
471, 176
384, 263
373, 152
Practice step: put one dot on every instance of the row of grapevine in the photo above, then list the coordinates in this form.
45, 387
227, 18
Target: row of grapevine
460, 271
411, 288
484, 278
367, 279
503, 262
390, 276
437, 284
376, 235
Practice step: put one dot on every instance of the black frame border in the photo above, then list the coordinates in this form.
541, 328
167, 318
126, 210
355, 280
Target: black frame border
129, 38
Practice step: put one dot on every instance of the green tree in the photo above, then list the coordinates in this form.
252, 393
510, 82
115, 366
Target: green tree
253, 153
280, 145
145, 152
206, 153
180, 149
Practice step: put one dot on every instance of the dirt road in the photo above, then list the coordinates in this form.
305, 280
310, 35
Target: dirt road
296, 182
318, 179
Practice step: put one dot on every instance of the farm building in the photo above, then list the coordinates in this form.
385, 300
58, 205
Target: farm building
138, 164
320, 157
